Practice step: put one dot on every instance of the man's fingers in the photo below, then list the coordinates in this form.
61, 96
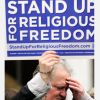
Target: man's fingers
72, 83
53, 63
49, 52
72, 80
49, 56
75, 88
49, 62
75, 85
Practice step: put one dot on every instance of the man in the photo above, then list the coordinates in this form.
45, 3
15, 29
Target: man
53, 82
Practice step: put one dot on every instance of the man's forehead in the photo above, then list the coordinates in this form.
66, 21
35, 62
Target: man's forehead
59, 83
61, 74
60, 78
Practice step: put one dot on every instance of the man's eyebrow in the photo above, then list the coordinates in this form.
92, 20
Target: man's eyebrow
60, 85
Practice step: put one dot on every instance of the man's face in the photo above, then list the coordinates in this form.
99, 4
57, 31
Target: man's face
59, 86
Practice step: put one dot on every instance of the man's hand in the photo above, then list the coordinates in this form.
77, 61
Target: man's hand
76, 88
46, 63
47, 60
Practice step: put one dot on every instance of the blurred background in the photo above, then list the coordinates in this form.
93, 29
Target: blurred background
18, 72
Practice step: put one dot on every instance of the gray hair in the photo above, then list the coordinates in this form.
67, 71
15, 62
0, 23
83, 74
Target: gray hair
61, 65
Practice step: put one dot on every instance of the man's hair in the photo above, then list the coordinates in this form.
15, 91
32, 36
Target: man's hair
62, 65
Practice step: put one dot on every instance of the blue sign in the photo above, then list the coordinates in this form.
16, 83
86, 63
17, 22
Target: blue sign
66, 26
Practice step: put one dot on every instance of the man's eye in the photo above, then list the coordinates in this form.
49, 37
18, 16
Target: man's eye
60, 88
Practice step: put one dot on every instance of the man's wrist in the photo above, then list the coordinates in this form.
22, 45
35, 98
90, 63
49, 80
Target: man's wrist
45, 72
86, 96
36, 85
